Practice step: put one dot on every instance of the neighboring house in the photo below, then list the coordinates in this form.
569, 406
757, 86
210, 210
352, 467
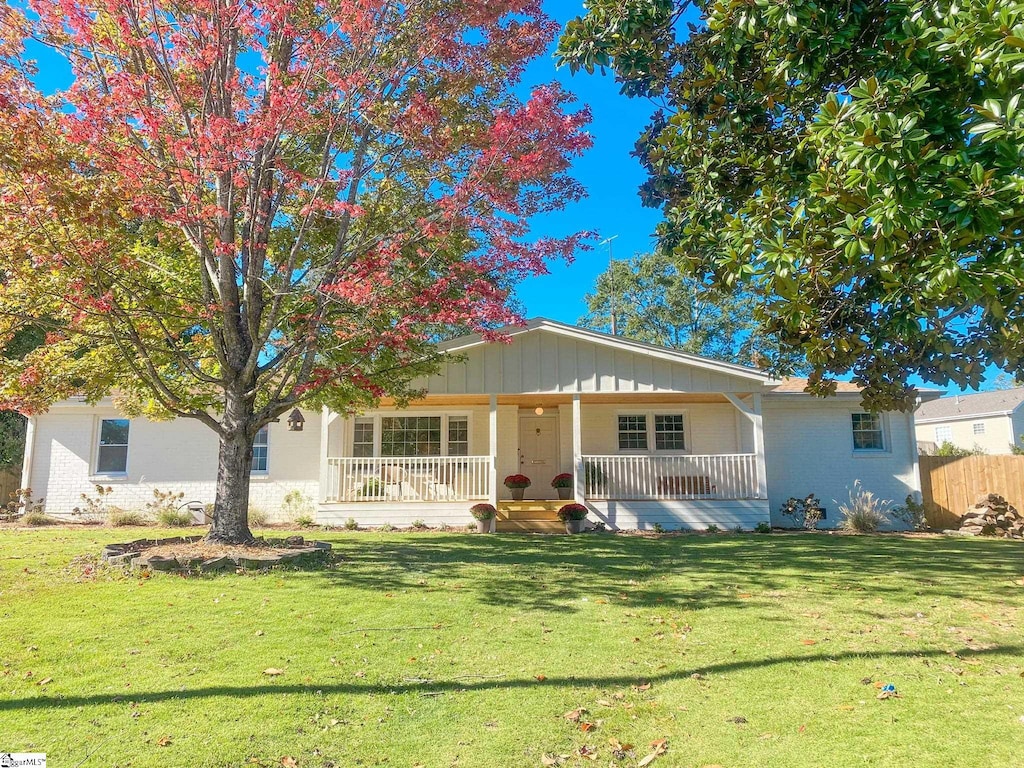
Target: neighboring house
991, 421
651, 436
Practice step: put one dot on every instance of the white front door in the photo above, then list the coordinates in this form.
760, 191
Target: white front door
538, 454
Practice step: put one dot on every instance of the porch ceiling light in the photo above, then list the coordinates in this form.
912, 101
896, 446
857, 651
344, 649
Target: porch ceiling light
539, 410
295, 421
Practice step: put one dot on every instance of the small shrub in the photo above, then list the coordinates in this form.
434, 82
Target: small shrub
483, 511
950, 449
658, 528
712, 529
121, 518
737, 529
258, 517
305, 521
471, 527
865, 512
762, 527
600, 527
419, 525
36, 518
94, 508
911, 512
351, 524
572, 512
563, 480
805, 512
386, 528
22, 503
174, 518
297, 505
444, 527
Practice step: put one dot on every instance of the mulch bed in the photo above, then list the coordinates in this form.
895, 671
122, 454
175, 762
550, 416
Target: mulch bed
193, 553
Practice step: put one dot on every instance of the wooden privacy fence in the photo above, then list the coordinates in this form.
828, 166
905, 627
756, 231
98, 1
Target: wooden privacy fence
10, 481
951, 484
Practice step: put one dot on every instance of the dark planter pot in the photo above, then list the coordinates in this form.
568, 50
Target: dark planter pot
517, 493
485, 526
575, 526
564, 493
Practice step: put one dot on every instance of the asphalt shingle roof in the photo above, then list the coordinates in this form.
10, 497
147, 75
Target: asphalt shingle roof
996, 401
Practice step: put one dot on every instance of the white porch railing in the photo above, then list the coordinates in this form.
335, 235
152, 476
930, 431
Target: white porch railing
411, 478
718, 476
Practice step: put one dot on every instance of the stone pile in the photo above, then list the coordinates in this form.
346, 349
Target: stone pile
992, 515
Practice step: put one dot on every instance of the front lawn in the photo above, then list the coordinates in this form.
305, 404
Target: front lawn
442, 650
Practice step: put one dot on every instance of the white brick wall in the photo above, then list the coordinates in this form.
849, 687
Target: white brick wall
809, 449
176, 456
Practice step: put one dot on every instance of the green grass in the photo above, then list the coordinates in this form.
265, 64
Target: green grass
461, 650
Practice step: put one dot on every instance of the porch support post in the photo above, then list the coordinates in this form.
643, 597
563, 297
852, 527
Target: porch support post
492, 434
325, 470
758, 422
579, 486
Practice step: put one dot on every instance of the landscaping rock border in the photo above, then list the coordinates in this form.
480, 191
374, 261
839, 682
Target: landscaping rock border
135, 553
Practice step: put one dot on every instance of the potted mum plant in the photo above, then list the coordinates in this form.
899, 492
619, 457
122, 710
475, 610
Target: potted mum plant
484, 515
574, 516
518, 485
563, 484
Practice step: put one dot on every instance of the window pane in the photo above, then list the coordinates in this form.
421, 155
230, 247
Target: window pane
112, 458
259, 458
362, 440
114, 432
458, 436
261, 437
943, 434
668, 432
632, 433
867, 432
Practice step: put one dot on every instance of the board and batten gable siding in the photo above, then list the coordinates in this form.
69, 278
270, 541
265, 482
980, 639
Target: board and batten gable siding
175, 456
809, 449
546, 362
999, 432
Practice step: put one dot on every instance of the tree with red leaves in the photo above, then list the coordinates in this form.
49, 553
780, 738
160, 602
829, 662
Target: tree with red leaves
240, 207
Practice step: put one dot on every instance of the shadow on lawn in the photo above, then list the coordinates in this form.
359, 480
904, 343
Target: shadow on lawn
549, 573
457, 685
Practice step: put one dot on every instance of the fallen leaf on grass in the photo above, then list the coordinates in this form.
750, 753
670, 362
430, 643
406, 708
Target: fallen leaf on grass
745, 596
550, 759
618, 746
738, 719
259, 633
808, 642
273, 671
574, 715
163, 741
847, 707
642, 687
289, 762
45, 681
541, 678
605, 703
586, 727
660, 748
588, 752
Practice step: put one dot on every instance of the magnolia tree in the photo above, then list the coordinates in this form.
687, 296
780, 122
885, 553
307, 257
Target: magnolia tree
237, 207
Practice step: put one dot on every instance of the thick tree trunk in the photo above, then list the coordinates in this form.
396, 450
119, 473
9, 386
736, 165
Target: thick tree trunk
231, 510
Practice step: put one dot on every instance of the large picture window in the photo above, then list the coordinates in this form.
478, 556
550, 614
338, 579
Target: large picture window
410, 436
260, 448
868, 434
112, 456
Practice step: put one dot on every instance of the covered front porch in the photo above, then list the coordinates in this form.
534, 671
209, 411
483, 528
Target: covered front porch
684, 460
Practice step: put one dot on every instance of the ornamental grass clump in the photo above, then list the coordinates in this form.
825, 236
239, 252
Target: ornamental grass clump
864, 512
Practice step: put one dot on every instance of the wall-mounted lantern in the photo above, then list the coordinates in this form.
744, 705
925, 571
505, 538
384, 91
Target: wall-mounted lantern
539, 410
295, 421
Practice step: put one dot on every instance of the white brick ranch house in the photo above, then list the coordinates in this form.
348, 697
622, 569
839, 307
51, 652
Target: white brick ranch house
650, 435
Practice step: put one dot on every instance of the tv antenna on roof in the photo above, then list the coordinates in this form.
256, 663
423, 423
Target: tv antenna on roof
611, 279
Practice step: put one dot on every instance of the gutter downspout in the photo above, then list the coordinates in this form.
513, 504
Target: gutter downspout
30, 444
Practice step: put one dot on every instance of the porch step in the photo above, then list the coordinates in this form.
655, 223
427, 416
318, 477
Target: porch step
533, 505
529, 526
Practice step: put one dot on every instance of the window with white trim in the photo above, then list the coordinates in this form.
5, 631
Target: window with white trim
112, 454
669, 434
260, 451
868, 434
978, 427
362, 439
410, 436
458, 436
943, 435
633, 433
